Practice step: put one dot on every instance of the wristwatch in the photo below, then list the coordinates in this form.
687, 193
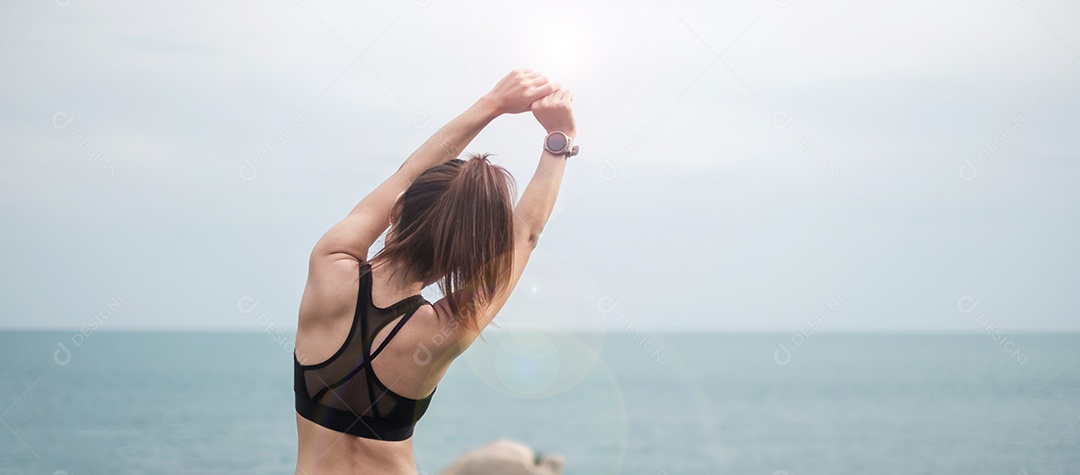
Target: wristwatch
559, 143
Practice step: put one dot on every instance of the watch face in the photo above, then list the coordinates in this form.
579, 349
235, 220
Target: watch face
556, 141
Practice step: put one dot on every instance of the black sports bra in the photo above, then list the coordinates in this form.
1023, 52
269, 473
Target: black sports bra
343, 393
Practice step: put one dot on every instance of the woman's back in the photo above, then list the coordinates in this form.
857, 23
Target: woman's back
343, 392
361, 375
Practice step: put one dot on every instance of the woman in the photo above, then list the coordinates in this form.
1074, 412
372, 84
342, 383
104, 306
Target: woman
362, 375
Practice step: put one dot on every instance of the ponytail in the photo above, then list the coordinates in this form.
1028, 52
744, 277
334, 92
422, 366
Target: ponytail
456, 225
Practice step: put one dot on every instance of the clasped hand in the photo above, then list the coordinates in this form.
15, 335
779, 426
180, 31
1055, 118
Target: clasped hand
527, 90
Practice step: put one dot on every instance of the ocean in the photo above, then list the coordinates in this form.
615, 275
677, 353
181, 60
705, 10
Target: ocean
656, 404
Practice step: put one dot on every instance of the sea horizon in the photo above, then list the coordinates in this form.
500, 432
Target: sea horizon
653, 403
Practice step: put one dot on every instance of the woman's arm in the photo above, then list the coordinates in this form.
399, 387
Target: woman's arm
534, 208
352, 236
369, 219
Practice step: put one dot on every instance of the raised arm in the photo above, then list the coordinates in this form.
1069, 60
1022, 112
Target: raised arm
534, 208
352, 237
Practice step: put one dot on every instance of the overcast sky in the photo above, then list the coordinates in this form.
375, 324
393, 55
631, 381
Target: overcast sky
763, 165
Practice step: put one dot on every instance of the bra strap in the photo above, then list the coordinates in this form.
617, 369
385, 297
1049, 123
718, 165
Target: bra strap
366, 363
393, 332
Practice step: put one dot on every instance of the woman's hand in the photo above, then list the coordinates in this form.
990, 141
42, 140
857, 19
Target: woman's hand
555, 112
518, 90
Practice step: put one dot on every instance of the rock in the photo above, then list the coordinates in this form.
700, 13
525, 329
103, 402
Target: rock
505, 457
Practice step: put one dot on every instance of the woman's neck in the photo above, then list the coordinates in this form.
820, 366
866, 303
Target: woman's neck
398, 279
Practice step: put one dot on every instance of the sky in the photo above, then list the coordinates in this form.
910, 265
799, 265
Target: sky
775, 165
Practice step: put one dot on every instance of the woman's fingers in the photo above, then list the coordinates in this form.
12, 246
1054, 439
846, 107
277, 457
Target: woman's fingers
556, 97
545, 89
520, 89
537, 79
541, 82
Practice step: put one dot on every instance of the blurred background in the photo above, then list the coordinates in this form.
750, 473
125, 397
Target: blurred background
801, 237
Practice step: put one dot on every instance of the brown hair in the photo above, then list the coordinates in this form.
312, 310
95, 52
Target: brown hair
455, 224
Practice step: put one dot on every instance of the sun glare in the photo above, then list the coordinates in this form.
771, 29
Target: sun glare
560, 50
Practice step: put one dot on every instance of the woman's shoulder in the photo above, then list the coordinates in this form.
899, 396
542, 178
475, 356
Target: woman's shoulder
330, 291
435, 333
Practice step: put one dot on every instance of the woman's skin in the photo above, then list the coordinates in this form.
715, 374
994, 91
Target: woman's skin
419, 355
